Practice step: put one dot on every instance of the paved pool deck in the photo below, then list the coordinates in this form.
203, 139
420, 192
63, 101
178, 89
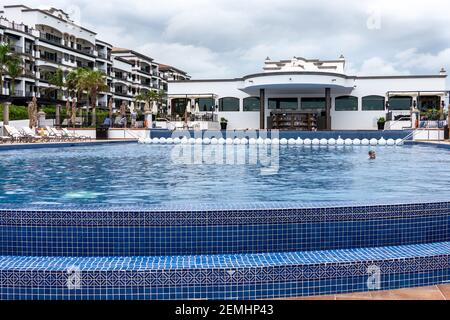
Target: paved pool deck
436, 292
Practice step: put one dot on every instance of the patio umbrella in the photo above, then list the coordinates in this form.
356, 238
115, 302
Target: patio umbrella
197, 108
30, 115
188, 107
73, 112
110, 109
68, 113
123, 109
155, 108
132, 107
146, 107
34, 112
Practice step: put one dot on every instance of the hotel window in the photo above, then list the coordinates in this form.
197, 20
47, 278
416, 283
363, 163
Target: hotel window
228, 104
373, 103
251, 104
283, 103
205, 104
346, 103
400, 103
313, 103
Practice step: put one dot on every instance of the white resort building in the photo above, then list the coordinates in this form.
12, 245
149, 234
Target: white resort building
48, 40
303, 94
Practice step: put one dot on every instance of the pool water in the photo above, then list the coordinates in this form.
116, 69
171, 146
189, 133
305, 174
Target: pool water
148, 174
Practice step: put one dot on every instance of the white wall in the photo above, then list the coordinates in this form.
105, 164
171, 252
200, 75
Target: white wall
118, 134
341, 120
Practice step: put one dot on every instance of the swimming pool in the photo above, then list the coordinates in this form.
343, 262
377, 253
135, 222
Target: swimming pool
161, 222
131, 174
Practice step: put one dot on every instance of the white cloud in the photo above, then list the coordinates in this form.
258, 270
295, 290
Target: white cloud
232, 37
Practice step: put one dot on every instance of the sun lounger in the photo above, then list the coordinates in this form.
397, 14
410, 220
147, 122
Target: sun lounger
31, 134
74, 135
15, 135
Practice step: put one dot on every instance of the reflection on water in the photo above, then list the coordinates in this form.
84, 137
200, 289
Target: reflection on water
130, 174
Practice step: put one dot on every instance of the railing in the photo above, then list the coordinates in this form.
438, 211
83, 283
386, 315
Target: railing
18, 27
426, 125
404, 118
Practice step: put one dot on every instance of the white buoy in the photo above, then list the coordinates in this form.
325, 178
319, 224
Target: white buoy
267, 141
184, 140
221, 141
206, 140
259, 141
299, 141
316, 142
169, 141
244, 141
192, 141
155, 140
332, 142
177, 140
252, 141
365, 142
283, 141
275, 141
340, 141
399, 142
307, 142
391, 142
382, 142
237, 141
373, 142
198, 141
147, 141
141, 140
356, 142
291, 142
348, 142
162, 140
229, 141
214, 141
323, 142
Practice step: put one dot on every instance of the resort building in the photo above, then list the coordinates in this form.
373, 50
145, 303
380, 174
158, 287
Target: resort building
304, 94
48, 40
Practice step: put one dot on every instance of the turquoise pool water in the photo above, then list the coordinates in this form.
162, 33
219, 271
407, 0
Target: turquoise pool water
135, 174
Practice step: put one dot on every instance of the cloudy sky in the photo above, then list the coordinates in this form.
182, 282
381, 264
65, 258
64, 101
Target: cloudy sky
231, 38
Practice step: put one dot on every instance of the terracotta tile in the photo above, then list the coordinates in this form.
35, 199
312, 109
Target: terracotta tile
424, 293
445, 289
328, 297
355, 296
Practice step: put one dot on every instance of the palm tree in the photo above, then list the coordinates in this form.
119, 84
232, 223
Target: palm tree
14, 69
57, 80
5, 52
151, 96
75, 85
94, 81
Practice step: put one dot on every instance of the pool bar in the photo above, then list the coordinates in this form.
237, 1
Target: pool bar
220, 251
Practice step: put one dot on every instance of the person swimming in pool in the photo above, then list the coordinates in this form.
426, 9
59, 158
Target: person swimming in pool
372, 155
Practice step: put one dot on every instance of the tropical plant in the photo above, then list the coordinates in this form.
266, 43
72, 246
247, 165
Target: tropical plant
93, 81
14, 68
223, 120
57, 79
5, 52
381, 120
75, 85
151, 96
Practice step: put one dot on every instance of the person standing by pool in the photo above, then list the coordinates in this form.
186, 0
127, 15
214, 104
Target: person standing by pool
372, 155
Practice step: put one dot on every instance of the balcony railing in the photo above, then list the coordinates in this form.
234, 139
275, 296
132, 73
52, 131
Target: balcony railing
18, 27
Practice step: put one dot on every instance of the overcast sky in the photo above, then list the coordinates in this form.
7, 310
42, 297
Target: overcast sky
231, 38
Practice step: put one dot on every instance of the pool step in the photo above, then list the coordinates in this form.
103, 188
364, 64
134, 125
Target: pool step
241, 276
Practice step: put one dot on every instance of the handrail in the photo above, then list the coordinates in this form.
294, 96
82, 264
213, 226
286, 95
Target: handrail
131, 133
417, 130
398, 120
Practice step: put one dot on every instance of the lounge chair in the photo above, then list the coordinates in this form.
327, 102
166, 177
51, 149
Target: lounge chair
15, 135
54, 134
4, 139
31, 134
74, 135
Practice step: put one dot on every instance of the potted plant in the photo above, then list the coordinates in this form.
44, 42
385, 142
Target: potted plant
223, 123
381, 121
